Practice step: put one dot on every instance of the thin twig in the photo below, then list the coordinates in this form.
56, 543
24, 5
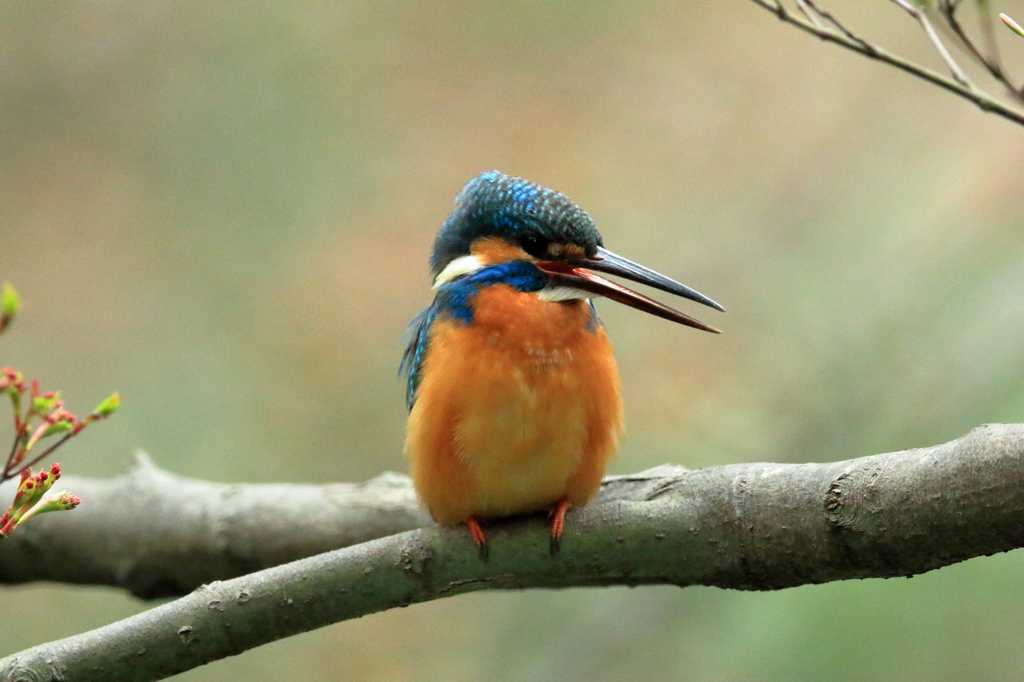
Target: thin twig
851, 42
992, 64
828, 16
948, 9
10, 459
810, 12
988, 34
38, 458
940, 47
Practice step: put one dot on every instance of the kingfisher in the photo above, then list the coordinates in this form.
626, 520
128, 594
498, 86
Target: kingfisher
512, 387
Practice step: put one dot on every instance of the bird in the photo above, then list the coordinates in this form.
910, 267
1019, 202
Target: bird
511, 385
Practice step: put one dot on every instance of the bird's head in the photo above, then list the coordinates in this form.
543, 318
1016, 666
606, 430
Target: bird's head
498, 218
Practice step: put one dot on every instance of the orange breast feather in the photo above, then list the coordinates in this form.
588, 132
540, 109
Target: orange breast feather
514, 412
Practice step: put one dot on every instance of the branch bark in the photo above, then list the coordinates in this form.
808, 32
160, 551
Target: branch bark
743, 526
156, 534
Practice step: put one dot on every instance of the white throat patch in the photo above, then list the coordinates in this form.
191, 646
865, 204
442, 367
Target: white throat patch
457, 268
555, 294
467, 264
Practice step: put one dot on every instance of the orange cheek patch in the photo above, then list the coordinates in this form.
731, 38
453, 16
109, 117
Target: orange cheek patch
491, 251
556, 250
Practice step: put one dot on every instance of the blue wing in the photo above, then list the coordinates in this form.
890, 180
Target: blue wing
418, 334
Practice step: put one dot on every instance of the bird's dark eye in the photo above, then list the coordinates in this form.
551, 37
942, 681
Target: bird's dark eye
535, 245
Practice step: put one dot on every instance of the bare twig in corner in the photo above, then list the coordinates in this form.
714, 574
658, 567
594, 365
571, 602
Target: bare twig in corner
940, 47
808, 16
992, 61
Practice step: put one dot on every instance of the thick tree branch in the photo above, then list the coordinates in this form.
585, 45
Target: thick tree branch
157, 534
744, 526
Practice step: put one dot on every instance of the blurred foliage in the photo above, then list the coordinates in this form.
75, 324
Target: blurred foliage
226, 212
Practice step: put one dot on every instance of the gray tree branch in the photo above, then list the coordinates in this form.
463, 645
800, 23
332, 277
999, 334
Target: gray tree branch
156, 534
742, 526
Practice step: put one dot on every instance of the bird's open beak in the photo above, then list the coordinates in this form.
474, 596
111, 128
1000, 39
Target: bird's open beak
575, 273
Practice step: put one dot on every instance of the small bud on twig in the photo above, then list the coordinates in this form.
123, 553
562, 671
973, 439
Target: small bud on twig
62, 501
107, 407
1012, 25
9, 306
47, 402
30, 491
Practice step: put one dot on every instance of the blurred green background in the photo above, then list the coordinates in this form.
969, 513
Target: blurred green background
224, 211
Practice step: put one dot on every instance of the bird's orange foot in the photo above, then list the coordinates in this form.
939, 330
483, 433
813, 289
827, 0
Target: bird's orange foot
478, 536
558, 524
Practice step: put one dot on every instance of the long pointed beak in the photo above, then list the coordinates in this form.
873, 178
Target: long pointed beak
574, 272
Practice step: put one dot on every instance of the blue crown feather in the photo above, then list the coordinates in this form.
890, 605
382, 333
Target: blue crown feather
497, 205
